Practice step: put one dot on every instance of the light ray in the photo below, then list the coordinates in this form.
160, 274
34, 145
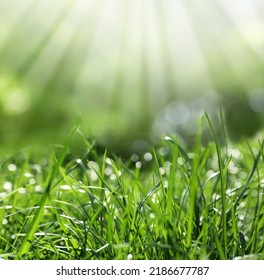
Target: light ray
189, 61
63, 40
10, 25
124, 61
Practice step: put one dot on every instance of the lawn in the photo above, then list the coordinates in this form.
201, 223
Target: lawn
170, 202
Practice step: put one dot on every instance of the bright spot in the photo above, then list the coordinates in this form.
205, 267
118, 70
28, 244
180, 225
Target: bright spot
254, 193
16, 101
168, 138
148, 156
108, 161
79, 161
129, 257
22, 190
216, 196
93, 165
152, 216
177, 113
93, 175
241, 217
242, 204
108, 171
81, 191
138, 164
243, 175
32, 181
28, 175
65, 187
180, 161
8, 186
113, 177
134, 157
210, 173
235, 153
163, 151
237, 184
36, 167
162, 171
4, 222
253, 32
2, 194
38, 188
11, 167
232, 168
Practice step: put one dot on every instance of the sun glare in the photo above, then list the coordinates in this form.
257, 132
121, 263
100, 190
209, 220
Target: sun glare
129, 58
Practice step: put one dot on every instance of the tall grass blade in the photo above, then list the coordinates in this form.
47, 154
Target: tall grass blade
28, 239
223, 181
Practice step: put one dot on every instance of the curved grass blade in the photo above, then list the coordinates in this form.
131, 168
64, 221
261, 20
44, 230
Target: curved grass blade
27, 241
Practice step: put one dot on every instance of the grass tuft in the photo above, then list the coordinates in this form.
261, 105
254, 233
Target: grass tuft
200, 203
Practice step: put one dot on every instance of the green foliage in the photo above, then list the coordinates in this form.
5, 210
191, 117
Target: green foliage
169, 203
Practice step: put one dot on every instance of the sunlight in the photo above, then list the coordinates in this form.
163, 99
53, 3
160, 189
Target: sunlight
248, 21
127, 62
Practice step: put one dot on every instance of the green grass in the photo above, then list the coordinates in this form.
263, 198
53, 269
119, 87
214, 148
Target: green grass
204, 202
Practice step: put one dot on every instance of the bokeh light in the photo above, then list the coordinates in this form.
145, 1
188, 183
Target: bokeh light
130, 67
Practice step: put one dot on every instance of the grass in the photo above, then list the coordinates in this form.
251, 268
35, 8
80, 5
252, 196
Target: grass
169, 203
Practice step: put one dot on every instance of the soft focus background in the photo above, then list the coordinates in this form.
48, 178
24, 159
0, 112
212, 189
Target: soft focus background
132, 69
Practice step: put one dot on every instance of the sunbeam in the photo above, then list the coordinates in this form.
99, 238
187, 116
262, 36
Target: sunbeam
123, 64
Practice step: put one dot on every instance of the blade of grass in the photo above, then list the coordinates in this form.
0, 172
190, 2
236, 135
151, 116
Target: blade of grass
223, 179
254, 168
26, 243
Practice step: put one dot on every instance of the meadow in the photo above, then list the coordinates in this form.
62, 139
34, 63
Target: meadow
170, 202
111, 145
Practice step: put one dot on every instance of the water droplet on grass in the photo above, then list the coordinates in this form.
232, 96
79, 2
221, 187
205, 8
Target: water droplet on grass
148, 156
2, 194
138, 164
28, 175
93, 175
163, 151
22, 190
93, 165
108, 161
39, 188
32, 181
108, 171
65, 187
8, 186
162, 171
152, 216
134, 157
180, 161
11, 167
235, 153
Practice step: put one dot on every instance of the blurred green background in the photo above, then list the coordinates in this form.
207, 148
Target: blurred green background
133, 69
